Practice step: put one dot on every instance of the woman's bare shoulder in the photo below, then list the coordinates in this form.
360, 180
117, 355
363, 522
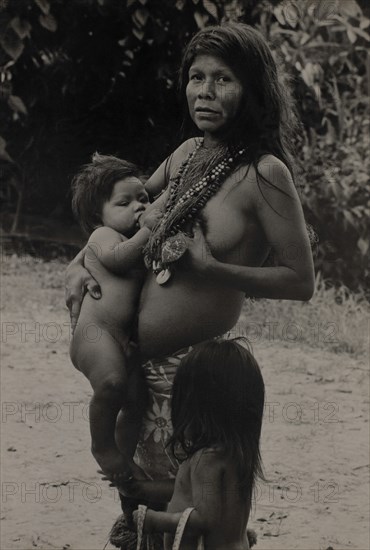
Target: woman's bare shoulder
265, 177
275, 171
185, 149
159, 180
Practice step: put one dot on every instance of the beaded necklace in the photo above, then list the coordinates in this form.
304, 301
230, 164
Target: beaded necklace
169, 241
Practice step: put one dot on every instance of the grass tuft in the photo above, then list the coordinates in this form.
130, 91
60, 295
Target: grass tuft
335, 319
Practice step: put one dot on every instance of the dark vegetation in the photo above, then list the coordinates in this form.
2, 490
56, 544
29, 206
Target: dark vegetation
78, 76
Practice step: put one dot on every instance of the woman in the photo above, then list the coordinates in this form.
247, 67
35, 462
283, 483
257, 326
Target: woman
233, 190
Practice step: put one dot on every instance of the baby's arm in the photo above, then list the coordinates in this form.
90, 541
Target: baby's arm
207, 472
117, 253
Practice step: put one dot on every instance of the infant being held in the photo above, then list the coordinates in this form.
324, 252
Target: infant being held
109, 201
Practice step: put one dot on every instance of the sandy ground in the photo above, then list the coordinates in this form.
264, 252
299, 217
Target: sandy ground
315, 443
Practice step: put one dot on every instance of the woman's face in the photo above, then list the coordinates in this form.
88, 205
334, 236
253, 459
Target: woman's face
214, 95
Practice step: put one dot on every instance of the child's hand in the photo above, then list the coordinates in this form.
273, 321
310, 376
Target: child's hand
150, 218
148, 523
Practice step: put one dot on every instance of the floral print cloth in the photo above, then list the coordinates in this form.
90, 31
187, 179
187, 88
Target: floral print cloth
151, 454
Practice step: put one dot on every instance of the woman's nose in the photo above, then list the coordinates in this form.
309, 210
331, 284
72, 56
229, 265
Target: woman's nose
207, 90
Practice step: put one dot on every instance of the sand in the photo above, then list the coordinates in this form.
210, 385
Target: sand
315, 443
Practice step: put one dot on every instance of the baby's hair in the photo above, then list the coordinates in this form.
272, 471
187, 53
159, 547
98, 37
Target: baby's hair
218, 399
93, 185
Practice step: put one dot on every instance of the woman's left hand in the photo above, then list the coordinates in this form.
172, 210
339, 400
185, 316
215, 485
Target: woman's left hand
198, 255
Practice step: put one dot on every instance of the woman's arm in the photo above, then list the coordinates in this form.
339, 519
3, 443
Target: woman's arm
280, 215
159, 180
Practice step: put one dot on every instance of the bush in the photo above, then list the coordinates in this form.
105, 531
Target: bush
74, 79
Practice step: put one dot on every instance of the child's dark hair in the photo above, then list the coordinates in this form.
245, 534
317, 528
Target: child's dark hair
218, 399
93, 185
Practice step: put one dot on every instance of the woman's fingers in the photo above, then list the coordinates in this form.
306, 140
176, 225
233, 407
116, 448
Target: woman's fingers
78, 281
74, 312
93, 289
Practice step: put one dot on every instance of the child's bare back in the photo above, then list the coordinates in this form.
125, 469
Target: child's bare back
208, 482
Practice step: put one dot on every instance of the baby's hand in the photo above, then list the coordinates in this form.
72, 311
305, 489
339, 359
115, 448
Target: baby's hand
151, 218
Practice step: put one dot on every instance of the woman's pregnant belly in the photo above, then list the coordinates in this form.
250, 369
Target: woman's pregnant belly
185, 311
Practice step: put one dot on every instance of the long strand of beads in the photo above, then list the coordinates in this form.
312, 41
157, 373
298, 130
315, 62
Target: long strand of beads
182, 208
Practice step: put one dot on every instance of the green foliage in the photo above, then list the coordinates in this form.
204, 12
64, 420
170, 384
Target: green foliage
83, 75
324, 45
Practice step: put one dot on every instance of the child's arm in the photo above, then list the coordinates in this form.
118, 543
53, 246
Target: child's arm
207, 473
117, 253
150, 490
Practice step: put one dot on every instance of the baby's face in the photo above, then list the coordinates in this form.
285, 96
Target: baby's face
125, 206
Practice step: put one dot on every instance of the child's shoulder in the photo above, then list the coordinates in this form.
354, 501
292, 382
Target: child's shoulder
203, 458
103, 233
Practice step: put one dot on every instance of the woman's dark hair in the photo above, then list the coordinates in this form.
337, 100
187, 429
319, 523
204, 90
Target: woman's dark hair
218, 399
266, 122
93, 185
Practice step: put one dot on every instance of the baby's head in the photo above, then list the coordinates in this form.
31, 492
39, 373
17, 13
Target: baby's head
108, 192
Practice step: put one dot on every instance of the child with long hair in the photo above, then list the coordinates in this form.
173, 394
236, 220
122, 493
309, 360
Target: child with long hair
217, 408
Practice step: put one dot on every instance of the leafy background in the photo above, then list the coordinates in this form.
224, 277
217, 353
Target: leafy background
78, 76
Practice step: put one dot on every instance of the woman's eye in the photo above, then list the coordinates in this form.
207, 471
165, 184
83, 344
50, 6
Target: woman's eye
196, 77
123, 204
223, 79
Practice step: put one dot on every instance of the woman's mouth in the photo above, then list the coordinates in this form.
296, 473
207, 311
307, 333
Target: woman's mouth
206, 110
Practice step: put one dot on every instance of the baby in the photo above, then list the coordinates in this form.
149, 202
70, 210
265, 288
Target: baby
109, 200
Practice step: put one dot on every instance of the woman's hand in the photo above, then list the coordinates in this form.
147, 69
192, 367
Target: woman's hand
198, 256
78, 280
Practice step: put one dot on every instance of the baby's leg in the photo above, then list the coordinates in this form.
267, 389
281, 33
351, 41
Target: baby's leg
130, 418
104, 364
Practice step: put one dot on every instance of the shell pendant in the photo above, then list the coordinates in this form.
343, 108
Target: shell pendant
163, 276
